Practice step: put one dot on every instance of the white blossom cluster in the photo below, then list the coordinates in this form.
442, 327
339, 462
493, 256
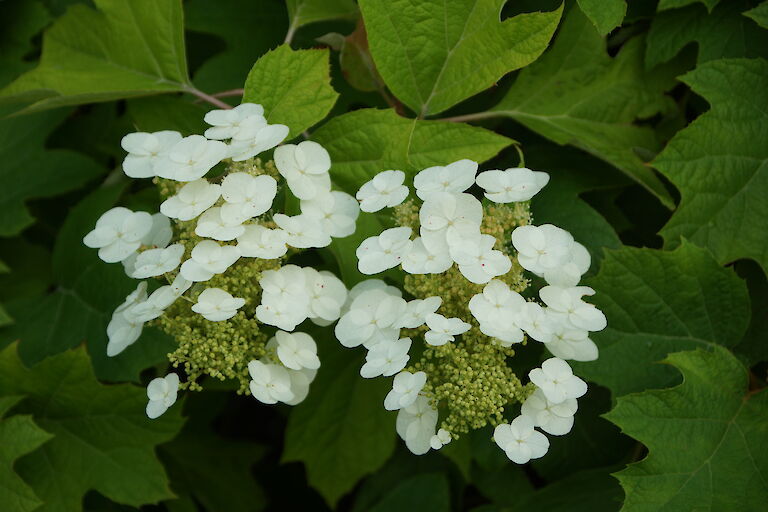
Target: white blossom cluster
373, 316
449, 233
227, 212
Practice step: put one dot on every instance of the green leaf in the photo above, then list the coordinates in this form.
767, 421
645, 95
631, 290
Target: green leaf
102, 440
720, 163
249, 28
293, 86
759, 14
364, 142
433, 54
19, 22
87, 292
19, 435
216, 471
722, 427
605, 15
659, 302
573, 173
30, 170
592, 443
158, 113
304, 12
586, 491
577, 94
422, 492
724, 32
674, 4
753, 348
341, 431
125, 48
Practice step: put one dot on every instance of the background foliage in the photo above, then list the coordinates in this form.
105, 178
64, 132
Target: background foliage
651, 116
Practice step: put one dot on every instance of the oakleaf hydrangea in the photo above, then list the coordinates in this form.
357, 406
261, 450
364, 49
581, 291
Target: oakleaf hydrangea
213, 260
481, 283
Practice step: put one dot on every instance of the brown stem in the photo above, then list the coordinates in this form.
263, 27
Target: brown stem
229, 93
207, 97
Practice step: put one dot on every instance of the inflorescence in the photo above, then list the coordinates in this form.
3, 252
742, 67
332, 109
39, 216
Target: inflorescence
215, 271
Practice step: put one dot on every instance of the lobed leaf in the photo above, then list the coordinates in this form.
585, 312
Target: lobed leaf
102, 439
720, 163
122, 49
576, 94
433, 54
19, 435
659, 302
706, 439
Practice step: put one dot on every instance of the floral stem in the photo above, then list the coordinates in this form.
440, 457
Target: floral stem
229, 93
207, 97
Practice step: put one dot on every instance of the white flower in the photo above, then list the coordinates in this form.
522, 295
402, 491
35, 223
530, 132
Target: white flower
160, 233
442, 438
123, 331
305, 167
212, 225
162, 393
556, 379
512, 185
386, 358
300, 381
536, 322
335, 211
442, 330
281, 313
554, 419
255, 136
371, 318
226, 123
302, 231
191, 158
455, 177
288, 282
542, 248
297, 350
568, 342
459, 214
567, 302
285, 299
270, 383
145, 150
497, 309
385, 190
520, 441
569, 274
406, 387
208, 259
379, 253
420, 260
327, 295
192, 199
156, 262
418, 310
416, 425
260, 242
246, 196
216, 305
478, 261
118, 233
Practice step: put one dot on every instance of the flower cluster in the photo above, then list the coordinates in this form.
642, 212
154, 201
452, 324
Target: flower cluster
219, 244
464, 262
